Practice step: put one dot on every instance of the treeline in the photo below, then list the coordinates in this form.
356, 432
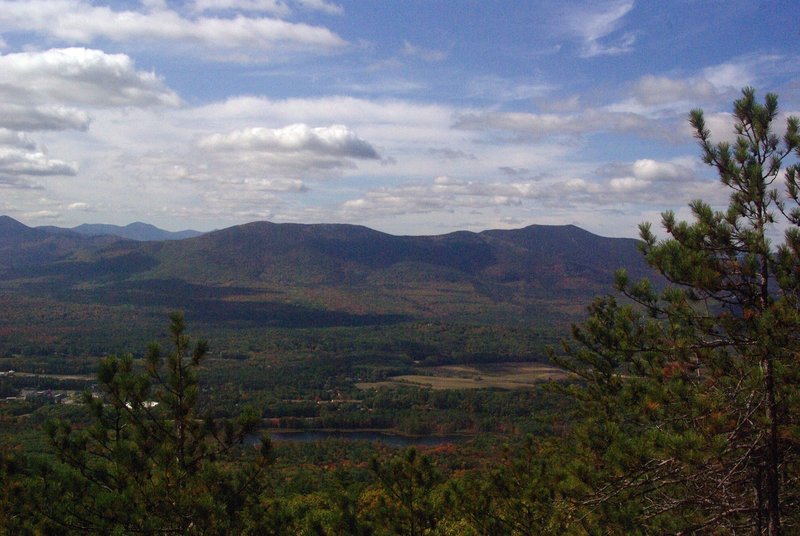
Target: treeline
420, 411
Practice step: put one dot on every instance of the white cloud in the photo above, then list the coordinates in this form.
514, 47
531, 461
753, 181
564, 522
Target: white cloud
576, 124
731, 75
523, 122
42, 215
627, 184
246, 186
134, 155
649, 170
20, 162
710, 86
80, 76
211, 157
322, 5
596, 24
18, 184
502, 89
644, 182
442, 194
83, 23
172, 155
274, 7
275, 185
16, 139
48, 91
336, 140
450, 154
339, 109
32, 117
402, 132
721, 125
654, 90
18, 165
247, 160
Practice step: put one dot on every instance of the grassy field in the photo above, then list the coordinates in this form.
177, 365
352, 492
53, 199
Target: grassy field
492, 375
73, 377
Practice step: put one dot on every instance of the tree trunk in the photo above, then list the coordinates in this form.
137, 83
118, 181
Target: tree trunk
773, 460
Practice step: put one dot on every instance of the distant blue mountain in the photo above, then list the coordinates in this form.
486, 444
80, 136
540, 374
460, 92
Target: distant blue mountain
142, 232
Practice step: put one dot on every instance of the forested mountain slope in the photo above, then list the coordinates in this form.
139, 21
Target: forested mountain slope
264, 274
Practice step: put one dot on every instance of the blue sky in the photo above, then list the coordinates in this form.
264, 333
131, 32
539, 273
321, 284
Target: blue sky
411, 117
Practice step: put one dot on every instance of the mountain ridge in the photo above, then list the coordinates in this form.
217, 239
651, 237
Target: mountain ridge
261, 275
336, 253
139, 231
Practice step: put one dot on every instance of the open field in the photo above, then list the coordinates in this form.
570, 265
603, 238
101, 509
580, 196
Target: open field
68, 377
485, 376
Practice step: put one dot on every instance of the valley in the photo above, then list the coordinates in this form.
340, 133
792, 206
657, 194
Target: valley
346, 343
316, 326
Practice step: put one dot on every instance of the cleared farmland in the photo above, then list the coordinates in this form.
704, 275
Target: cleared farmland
486, 376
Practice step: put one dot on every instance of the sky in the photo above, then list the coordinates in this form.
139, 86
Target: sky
412, 117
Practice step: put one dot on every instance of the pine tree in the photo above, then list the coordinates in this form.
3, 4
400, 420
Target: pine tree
149, 462
521, 495
407, 502
691, 390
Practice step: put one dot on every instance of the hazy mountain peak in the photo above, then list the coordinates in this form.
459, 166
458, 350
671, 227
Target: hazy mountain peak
140, 231
7, 222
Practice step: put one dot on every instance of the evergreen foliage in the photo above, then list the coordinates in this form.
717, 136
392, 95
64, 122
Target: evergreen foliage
407, 503
521, 496
149, 463
691, 392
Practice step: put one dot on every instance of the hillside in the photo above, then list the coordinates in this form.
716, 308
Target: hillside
345, 255
262, 275
30, 248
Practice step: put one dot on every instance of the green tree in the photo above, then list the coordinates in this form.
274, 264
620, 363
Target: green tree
407, 503
522, 496
17, 511
691, 391
149, 463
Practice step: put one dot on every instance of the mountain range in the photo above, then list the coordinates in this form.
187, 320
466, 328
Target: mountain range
337, 255
268, 274
143, 232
